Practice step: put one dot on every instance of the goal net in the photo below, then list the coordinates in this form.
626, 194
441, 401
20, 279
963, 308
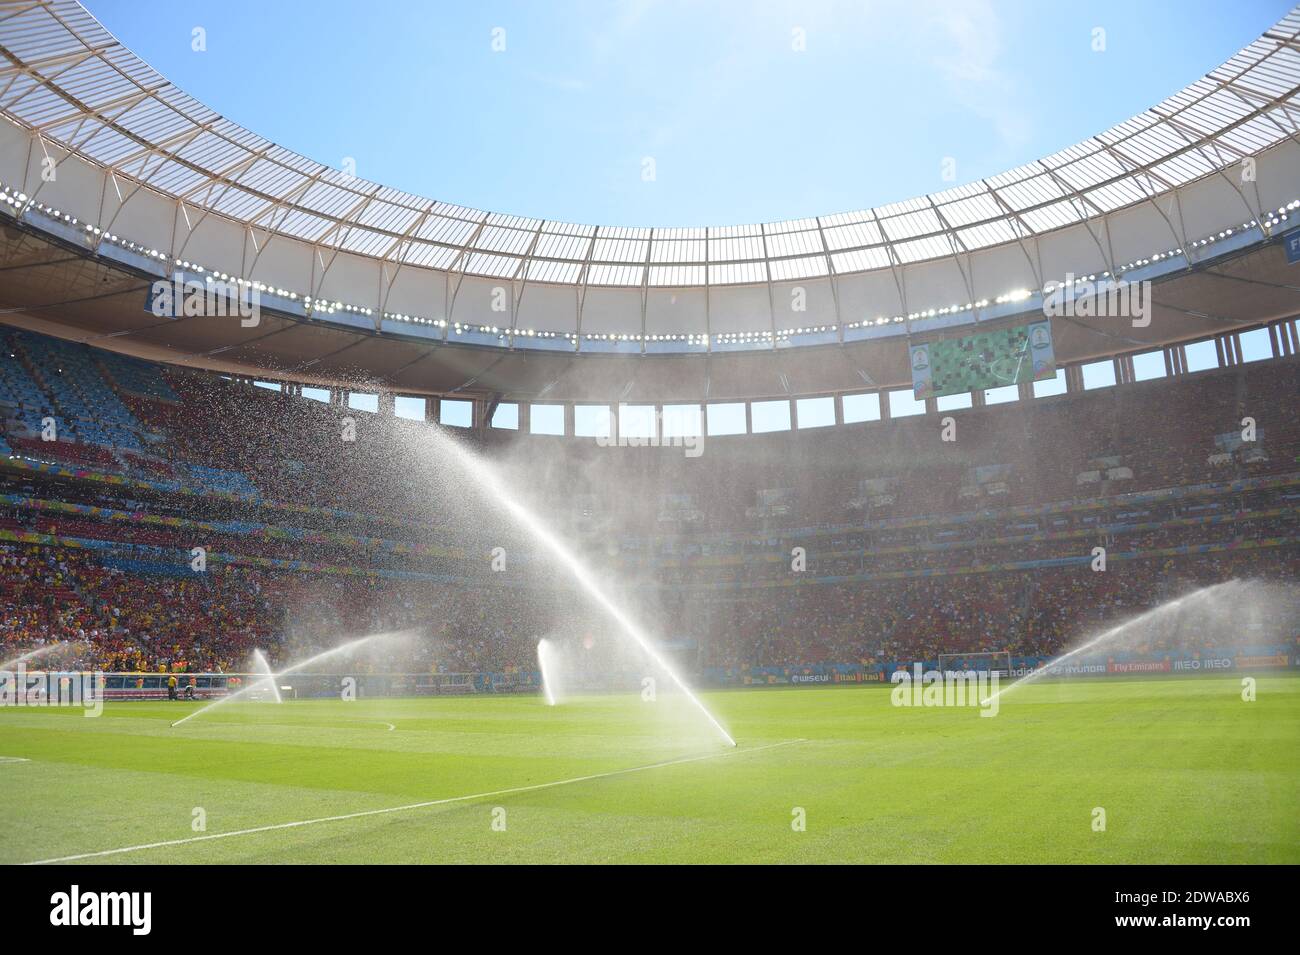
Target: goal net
988, 661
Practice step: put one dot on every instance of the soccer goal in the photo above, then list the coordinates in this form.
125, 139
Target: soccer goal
989, 661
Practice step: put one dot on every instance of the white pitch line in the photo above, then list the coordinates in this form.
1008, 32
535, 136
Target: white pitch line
13, 759
415, 805
390, 726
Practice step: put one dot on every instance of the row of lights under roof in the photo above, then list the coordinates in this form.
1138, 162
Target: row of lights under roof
1272, 219
810, 330
415, 319
20, 199
460, 328
931, 313
322, 306
879, 320
16, 199
691, 338
330, 308
747, 338
1155, 257
968, 307
312, 305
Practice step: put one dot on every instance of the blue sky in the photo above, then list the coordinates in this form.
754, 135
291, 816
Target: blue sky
741, 125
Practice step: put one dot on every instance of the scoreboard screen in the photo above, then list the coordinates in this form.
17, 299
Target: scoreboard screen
1005, 356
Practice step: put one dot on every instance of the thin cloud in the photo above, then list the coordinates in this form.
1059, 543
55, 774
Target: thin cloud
973, 33
568, 84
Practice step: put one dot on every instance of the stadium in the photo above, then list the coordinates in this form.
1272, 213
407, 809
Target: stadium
343, 525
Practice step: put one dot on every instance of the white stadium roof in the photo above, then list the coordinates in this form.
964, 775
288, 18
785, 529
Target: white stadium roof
141, 162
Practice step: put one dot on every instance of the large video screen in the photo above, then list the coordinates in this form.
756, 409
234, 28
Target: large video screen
991, 359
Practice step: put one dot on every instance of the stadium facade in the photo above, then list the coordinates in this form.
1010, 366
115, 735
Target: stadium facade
1149, 264
113, 177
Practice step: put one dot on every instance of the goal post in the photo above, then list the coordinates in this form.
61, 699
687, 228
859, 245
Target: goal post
988, 661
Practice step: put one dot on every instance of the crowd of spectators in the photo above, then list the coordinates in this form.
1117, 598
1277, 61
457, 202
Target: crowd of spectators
42, 605
123, 620
109, 586
1153, 435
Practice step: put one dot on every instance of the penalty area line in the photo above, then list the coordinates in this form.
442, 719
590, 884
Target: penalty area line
390, 726
297, 824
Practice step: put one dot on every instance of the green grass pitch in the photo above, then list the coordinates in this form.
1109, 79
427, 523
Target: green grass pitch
1185, 770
